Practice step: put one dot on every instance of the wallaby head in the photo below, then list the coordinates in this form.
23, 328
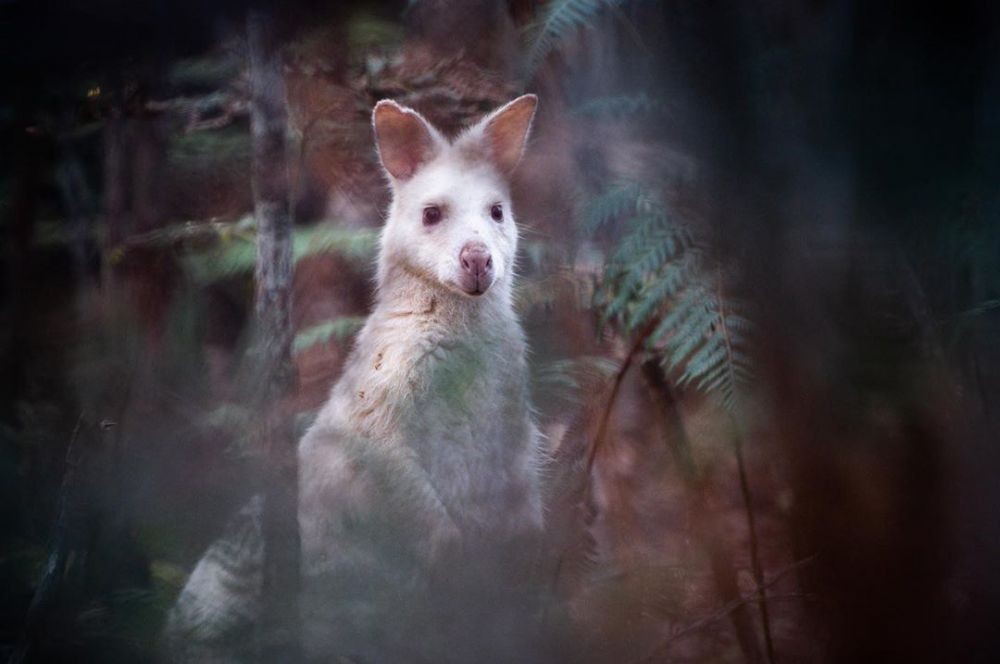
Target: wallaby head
451, 223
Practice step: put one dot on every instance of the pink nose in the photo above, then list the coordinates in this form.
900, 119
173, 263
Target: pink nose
476, 259
477, 267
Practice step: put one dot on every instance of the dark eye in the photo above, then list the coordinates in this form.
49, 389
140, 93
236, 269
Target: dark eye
432, 215
496, 212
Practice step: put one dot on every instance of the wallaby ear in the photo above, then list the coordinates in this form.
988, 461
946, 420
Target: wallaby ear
506, 131
404, 139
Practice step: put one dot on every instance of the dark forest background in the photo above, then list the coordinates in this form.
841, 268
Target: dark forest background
759, 275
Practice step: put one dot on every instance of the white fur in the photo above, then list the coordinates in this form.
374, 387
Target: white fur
429, 428
425, 450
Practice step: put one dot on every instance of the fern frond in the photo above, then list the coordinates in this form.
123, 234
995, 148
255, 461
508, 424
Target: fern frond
707, 344
642, 263
657, 266
667, 283
689, 335
613, 203
623, 105
646, 234
559, 19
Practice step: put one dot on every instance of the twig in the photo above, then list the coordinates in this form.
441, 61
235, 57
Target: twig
186, 230
725, 609
197, 110
597, 440
602, 426
708, 529
755, 564
630, 28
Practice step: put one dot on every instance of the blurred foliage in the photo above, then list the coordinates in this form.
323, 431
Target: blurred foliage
206, 72
645, 270
568, 377
205, 151
367, 32
236, 251
659, 283
558, 20
339, 329
623, 106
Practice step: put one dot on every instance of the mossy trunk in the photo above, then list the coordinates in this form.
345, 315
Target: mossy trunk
280, 620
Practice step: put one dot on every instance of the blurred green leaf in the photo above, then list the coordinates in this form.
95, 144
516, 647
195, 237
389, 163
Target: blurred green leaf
338, 328
237, 254
560, 19
623, 105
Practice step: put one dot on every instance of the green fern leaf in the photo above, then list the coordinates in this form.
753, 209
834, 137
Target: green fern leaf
559, 19
657, 265
623, 105
612, 203
661, 289
707, 344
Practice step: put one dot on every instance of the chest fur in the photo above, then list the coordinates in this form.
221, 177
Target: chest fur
458, 405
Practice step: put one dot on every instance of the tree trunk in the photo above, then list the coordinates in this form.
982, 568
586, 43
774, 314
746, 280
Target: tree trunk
115, 188
268, 114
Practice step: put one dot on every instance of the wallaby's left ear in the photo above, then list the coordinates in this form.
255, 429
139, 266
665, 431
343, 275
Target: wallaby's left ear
506, 131
404, 139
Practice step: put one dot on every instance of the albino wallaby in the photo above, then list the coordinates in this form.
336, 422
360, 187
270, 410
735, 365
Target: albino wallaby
425, 451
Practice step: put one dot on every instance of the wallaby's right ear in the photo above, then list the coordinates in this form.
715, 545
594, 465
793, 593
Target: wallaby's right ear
404, 139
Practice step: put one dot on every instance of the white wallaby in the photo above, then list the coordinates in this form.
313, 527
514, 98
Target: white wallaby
426, 450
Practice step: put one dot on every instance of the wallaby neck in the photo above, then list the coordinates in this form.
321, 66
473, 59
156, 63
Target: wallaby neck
416, 327
403, 294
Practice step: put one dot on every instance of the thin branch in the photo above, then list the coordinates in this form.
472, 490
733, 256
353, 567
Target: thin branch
707, 526
602, 426
212, 111
191, 230
630, 28
598, 439
755, 564
725, 609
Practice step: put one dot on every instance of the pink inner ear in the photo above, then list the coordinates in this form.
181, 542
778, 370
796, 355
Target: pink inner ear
508, 130
404, 139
